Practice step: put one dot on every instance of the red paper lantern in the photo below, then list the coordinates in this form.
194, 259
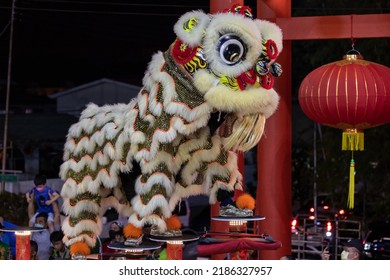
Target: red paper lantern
351, 94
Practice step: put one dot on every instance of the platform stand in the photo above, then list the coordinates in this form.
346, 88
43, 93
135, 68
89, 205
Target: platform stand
22, 245
134, 252
22, 236
174, 244
238, 225
175, 250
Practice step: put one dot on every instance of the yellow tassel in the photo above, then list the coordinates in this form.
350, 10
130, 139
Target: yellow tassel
353, 140
351, 193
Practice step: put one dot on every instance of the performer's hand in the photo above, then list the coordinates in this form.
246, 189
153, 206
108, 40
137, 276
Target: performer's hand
50, 201
325, 254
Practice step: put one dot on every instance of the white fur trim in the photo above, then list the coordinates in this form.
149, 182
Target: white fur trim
203, 80
152, 219
172, 164
154, 179
83, 225
194, 37
81, 206
157, 201
125, 210
252, 101
181, 192
270, 30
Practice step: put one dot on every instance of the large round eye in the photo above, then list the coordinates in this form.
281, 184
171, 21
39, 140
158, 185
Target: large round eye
231, 49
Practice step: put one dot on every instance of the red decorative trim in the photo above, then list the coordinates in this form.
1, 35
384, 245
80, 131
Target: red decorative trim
267, 81
248, 77
182, 53
272, 49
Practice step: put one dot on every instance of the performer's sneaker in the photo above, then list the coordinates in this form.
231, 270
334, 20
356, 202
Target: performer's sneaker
232, 211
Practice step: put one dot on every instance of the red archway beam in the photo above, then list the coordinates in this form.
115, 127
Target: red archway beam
335, 27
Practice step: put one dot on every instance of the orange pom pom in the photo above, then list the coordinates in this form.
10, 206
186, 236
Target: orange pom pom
79, 248
245, 200
131, 231
173, 223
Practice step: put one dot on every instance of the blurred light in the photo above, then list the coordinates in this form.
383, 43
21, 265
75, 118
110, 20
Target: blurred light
328, 226
326, 207
328, 234
311, 218
312, 210
342, 212
294, 223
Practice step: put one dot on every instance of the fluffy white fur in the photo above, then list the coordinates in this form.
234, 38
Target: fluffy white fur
249, 34
192, 38
251, 101
270, 30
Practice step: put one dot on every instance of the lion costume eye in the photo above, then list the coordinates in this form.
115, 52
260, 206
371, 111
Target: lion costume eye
231, 49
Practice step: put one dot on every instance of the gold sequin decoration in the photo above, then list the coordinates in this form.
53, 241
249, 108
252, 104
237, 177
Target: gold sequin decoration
220, 178
186, 91
86, 171
156, 189
82, 216
161, 168
85, 196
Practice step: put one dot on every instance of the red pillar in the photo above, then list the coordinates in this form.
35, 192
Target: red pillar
273, 197
215, 7
220, 5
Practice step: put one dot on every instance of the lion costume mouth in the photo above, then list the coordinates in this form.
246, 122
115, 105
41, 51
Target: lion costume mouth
245, 133
237, 133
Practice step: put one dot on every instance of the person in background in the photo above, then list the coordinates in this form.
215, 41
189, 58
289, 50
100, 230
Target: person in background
33, 250
60, 251
287, 258
8, 238
42, 237
116, 236
352, 250
42, 198
5, 249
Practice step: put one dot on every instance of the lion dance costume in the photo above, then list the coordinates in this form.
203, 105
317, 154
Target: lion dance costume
203, 100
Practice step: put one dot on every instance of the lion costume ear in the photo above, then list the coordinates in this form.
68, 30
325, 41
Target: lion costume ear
270, 30
191, 26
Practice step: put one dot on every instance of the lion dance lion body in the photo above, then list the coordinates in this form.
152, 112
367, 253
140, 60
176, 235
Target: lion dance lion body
218, 63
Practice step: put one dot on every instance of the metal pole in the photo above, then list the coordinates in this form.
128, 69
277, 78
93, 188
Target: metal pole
5, 139
315, 174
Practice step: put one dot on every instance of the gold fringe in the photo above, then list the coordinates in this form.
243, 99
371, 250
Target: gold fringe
353, 140
351, 193
247, 134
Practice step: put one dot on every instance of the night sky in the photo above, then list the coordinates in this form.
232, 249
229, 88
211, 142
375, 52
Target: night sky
63, 43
